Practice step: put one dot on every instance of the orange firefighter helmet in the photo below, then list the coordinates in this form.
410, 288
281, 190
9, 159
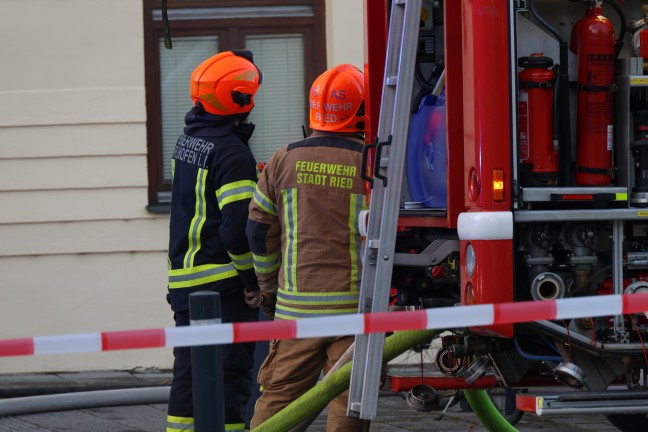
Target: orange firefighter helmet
337, 100
225, 84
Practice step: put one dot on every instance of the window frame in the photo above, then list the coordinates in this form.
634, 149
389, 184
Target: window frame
231, 34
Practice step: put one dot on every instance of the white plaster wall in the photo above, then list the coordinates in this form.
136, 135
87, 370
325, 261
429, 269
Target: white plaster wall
344, 30
78, 251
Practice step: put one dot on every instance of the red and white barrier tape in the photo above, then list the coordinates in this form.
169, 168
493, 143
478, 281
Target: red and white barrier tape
338, 325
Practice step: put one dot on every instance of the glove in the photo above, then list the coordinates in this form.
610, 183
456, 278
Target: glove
252, 298
269, 303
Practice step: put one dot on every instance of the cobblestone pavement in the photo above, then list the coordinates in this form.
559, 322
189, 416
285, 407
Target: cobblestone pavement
394, 415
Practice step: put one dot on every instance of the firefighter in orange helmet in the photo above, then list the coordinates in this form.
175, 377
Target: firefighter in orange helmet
306, 244
214, 176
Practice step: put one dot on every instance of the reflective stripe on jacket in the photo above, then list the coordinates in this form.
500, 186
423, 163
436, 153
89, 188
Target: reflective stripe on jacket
303, 227
214, 178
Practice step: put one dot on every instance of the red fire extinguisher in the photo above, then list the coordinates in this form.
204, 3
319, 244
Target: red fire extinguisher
537, 144
593, 43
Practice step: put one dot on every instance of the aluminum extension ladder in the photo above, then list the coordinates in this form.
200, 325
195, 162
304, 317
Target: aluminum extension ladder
393, 126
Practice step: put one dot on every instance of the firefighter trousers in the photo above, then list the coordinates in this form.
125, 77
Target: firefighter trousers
293, 367
238, 364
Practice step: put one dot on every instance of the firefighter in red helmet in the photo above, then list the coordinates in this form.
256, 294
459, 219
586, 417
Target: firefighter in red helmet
305, 240
214, 176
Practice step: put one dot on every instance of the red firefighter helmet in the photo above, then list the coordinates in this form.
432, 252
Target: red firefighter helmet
225, 83
336, 100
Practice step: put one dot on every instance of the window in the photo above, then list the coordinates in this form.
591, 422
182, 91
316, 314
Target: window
288, 42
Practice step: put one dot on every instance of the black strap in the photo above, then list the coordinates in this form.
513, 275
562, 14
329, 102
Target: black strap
593, 88
602, 171
242, 99
165, 26
532, 84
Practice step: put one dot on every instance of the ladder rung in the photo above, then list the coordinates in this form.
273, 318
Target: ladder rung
373, 243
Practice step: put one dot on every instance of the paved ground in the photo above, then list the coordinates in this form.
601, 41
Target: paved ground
393, 413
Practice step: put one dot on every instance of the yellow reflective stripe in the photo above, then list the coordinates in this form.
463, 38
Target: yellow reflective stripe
266, 263
172, 168
198, 220
235, 191
289, 199
184, 420
190, 277
294, 313
264, 202
235, 197
179, 424
242, 262
355, 206
321, 302
290, 303
187, 424
266, 258
317, 297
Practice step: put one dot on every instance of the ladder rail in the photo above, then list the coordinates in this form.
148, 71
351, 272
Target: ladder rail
393, 126
589, 402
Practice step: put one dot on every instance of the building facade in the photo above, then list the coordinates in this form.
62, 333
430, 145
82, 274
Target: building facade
91, 103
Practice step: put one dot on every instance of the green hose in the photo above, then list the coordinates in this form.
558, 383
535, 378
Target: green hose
318, 397
330, 387
486, 411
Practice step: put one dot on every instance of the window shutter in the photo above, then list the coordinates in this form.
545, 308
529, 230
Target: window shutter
280, 109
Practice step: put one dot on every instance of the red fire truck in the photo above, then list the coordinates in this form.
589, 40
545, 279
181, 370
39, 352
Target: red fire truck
524, 177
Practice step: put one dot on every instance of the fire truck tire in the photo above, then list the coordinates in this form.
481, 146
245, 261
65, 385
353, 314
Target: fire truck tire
629, 422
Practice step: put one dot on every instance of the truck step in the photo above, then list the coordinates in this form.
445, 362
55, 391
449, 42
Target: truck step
584, 402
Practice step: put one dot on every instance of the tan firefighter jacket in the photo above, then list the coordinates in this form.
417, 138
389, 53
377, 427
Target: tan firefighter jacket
303, 227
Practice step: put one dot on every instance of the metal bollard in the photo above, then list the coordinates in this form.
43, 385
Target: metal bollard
207, 366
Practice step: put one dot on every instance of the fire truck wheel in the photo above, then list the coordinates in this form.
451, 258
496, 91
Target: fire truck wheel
629, 422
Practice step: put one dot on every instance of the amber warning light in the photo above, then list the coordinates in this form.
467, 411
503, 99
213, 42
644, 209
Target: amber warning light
498, 185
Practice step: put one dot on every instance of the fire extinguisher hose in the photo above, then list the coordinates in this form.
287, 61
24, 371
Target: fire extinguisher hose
622, 31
